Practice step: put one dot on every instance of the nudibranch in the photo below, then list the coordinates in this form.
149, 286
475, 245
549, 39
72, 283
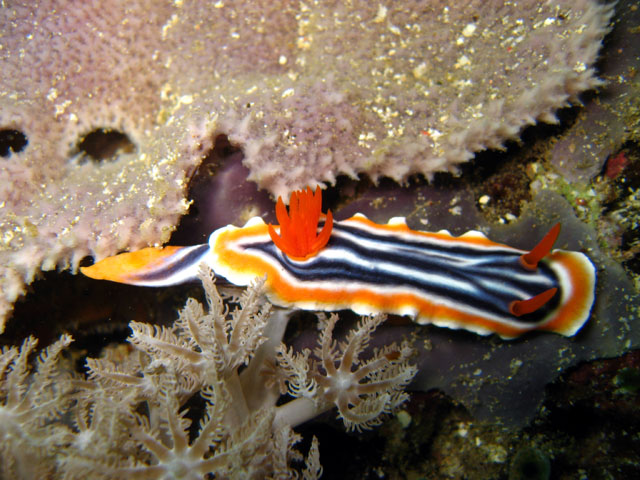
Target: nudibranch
313, 263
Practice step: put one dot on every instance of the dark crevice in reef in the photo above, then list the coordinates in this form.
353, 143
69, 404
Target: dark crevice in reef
222, 150
95, 313
220, 194
11, 141
190, 229
105, 144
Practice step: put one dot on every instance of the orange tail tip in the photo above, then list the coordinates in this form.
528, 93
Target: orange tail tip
122, 268
530, 260
299, 238
523, 307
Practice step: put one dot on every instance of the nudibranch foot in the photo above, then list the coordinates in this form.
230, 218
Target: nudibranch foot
151, 267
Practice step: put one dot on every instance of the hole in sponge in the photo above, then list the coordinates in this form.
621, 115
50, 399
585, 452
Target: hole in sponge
105, 144
11, 141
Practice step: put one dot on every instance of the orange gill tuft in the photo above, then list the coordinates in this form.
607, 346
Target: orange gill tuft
299, 238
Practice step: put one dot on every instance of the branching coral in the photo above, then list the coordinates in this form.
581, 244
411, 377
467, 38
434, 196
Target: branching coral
29, 403
308, 90
363, 390
132, 415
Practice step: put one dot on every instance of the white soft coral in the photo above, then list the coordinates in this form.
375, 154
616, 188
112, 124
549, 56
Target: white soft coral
363, 390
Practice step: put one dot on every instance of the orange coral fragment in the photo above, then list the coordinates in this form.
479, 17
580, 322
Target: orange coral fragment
299, 238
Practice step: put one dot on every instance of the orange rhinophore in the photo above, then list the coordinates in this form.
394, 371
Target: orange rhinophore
530, 260
299, 237
524, 307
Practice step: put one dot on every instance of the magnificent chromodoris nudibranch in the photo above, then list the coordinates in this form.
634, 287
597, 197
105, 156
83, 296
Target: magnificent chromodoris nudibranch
313, 263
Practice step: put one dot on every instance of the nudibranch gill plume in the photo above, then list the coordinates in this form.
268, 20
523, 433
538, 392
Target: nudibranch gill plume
312, 262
